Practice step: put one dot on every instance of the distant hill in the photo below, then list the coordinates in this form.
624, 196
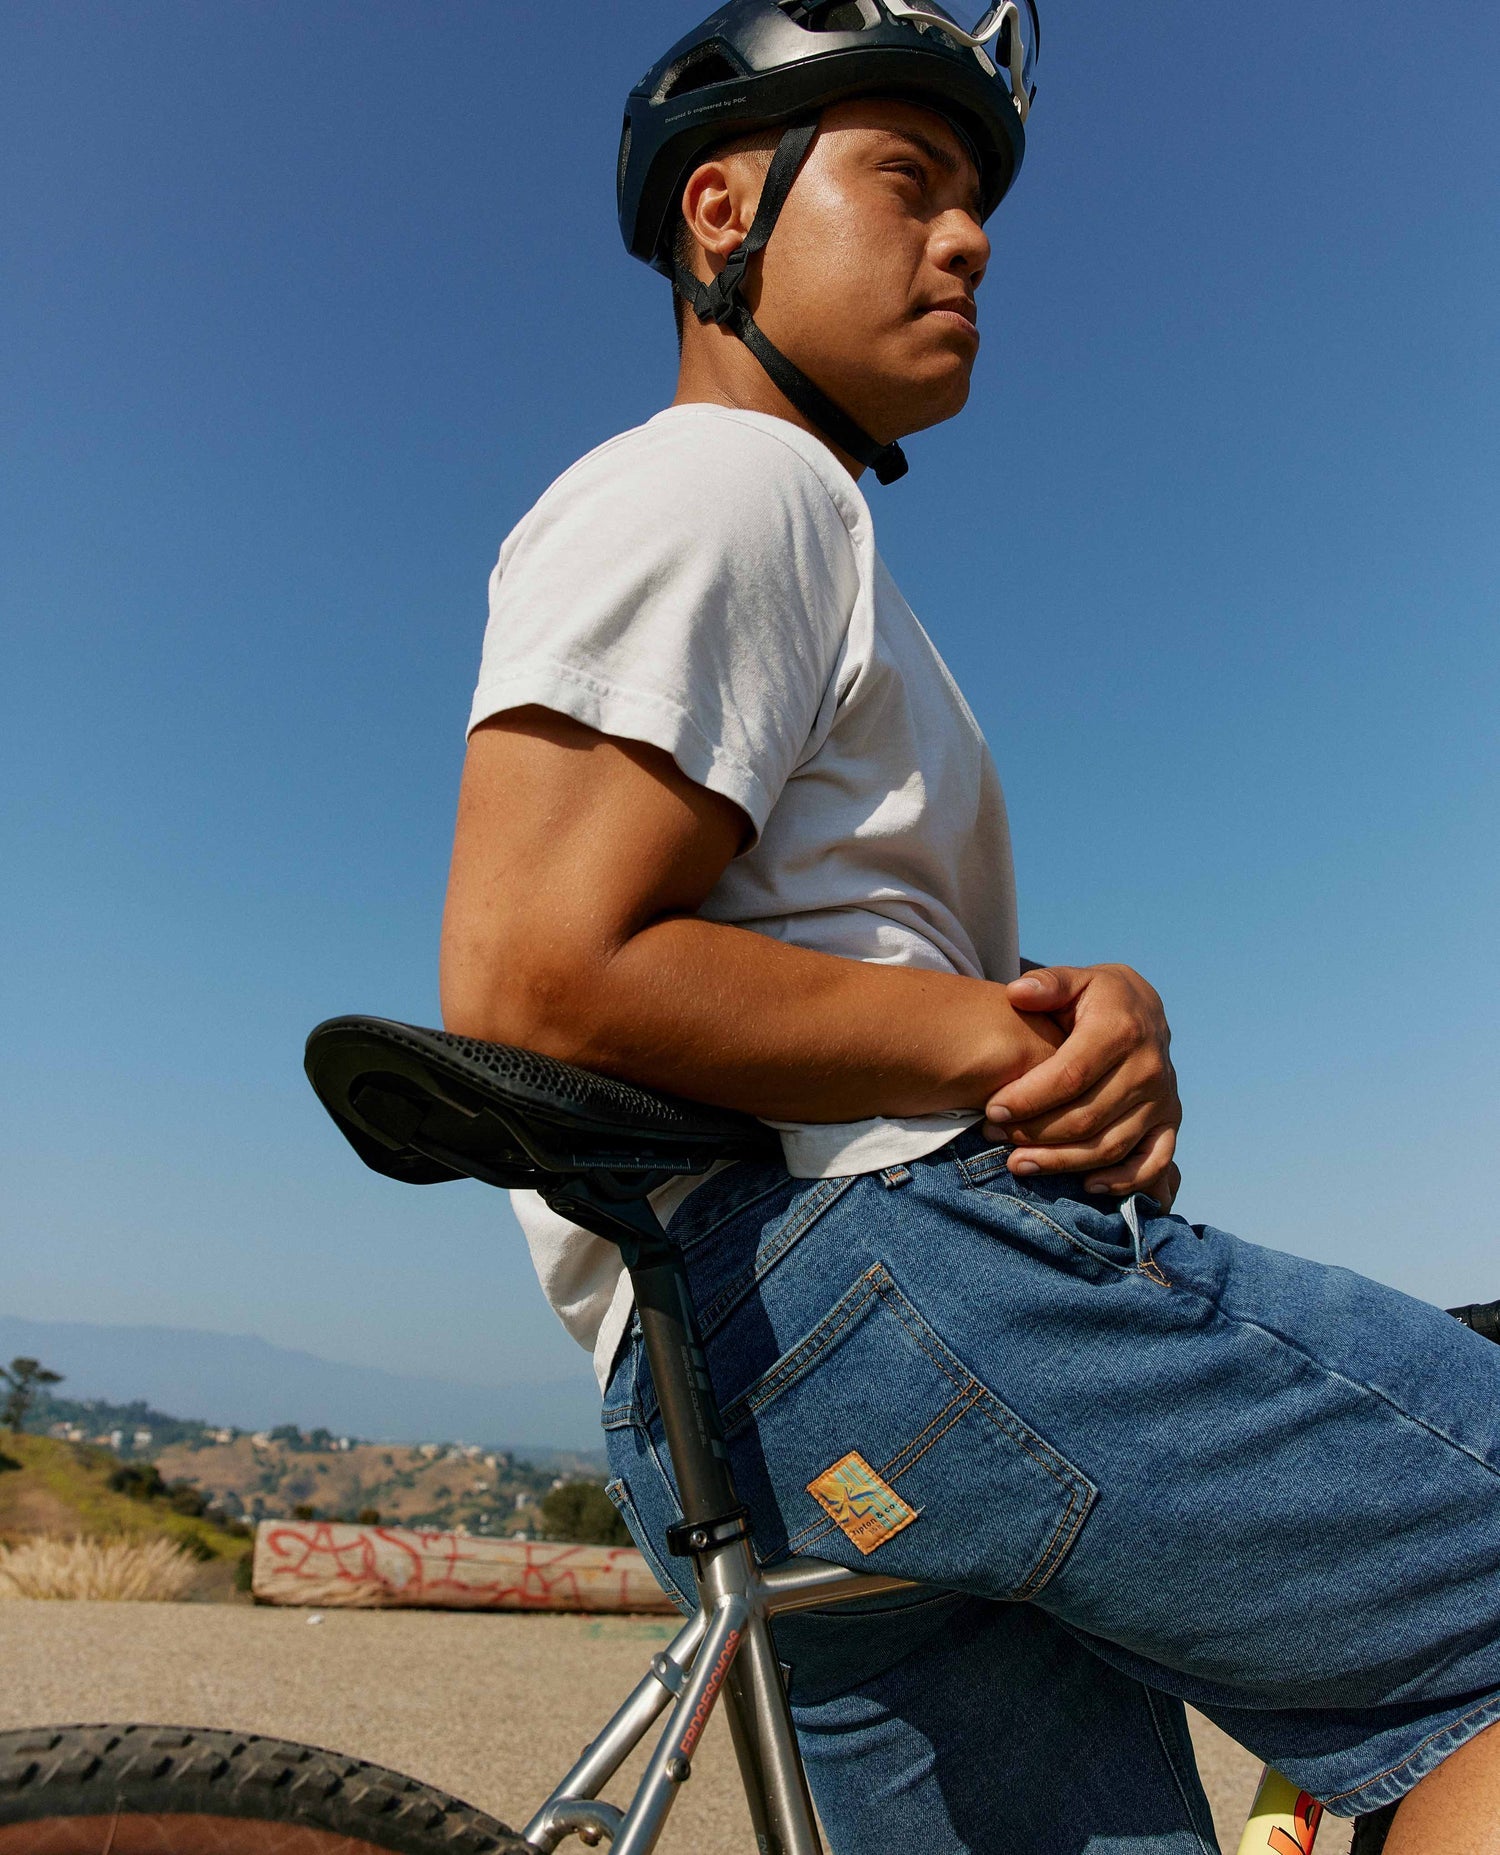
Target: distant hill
63, 1489
238, 1380
275, 1476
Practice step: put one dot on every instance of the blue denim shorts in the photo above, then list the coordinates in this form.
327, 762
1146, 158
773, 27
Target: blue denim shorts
1134, 1462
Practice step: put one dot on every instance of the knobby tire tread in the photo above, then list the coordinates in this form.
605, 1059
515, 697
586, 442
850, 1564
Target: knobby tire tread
79, 1771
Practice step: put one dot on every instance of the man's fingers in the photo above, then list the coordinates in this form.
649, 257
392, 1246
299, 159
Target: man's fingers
1047, 988
1146, 1163
1141, 1079
1113, 1148
1066, 1075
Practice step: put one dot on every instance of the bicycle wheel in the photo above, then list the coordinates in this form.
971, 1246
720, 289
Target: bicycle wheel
184, 1790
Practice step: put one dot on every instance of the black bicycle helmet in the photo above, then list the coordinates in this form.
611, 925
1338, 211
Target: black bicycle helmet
757, 64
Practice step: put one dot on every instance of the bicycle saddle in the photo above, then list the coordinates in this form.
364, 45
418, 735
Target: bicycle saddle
424, 1106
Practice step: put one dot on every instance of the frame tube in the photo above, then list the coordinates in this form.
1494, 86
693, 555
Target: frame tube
813, 1584
603, 1756
672, 1759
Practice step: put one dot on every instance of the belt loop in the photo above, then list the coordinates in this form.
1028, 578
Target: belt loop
1132, 1219
1147, 1265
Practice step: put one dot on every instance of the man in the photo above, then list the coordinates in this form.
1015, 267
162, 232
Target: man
728, 829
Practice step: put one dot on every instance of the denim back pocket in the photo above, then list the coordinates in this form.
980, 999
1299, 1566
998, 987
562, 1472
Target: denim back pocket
923, 1472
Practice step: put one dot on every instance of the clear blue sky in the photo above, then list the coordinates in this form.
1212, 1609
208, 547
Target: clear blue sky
304, 306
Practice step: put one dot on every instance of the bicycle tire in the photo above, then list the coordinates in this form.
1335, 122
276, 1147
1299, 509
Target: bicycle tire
187, 1790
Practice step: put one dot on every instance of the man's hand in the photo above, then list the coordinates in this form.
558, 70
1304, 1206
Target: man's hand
1106, 1103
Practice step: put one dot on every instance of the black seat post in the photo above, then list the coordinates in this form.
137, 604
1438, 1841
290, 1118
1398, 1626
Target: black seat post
689, 1411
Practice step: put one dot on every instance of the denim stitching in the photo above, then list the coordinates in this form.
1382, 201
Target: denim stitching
667, 1481
1073, 1483
1077, 1243
1373, 1391
781, 1377
1022, 1434
877, 1281
1060, 1544
889, 1467
648, 1551
977, 1167
1067, 1236
880, 1283
1153, 1702
824, 1194
690, 1241
917, 1338
1490, 1706
965, 1402
1052, 1554
821, 1526
814, 1530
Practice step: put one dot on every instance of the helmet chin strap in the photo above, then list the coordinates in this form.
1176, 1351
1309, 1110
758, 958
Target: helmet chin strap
721, 301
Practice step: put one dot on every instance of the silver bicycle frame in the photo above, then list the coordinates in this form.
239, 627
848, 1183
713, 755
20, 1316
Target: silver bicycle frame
725, 1650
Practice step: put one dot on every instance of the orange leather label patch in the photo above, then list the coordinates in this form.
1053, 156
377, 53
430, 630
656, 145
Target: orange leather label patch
868, 1510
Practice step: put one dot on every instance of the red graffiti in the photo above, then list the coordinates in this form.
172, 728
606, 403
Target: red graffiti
400, 1565
1307, 1813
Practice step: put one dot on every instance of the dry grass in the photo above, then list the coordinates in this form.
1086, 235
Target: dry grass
149, 1571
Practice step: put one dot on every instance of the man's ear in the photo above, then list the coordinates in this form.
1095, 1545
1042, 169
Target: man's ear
718, 204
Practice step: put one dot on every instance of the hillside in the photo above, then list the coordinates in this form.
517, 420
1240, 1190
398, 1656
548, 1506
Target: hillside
48, 1486
440, 1485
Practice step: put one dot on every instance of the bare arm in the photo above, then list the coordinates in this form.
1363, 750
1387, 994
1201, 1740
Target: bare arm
578, 865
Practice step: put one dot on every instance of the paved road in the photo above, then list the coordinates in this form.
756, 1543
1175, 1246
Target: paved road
492, 1708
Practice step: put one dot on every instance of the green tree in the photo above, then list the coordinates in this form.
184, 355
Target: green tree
24, 1377
583, 1514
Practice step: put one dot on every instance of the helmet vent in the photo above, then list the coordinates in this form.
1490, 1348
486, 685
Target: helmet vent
704, 65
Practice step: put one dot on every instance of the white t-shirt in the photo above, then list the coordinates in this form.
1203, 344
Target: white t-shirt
709, 583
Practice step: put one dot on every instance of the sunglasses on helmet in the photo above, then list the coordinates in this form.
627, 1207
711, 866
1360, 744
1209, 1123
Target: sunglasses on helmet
1016, 29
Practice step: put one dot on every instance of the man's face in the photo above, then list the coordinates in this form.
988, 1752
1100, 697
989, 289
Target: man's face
869, 281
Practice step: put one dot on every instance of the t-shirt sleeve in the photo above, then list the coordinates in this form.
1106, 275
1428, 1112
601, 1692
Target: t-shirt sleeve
688, 586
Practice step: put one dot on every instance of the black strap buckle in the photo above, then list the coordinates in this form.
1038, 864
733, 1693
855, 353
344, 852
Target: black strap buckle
720, 299
687, 1538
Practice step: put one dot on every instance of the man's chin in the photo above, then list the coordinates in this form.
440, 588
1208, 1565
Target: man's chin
941, 400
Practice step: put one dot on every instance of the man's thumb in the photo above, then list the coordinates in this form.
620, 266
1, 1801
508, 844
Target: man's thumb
1046, 988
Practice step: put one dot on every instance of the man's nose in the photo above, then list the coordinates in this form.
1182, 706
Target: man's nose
963, 248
